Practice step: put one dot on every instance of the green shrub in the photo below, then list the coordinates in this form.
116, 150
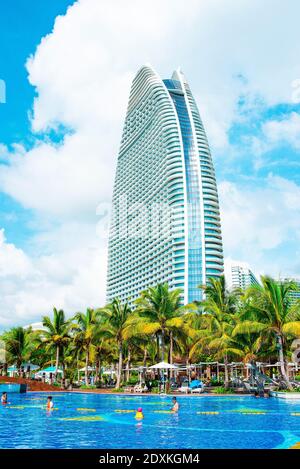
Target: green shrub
155, 390
288, 390
222, 390
133, 380
215, 382
154, 383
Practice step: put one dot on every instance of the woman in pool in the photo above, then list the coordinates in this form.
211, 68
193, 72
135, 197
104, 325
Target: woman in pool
139, 414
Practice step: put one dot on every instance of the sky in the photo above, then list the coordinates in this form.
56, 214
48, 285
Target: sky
67, 67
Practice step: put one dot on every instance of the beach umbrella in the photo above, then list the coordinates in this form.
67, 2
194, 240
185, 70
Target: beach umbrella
90, 368
163, 366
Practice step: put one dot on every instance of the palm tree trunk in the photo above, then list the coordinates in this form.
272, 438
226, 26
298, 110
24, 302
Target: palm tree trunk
187, 364
63, 366
163, 345
247, 370
158, 347
87, 359
56, 362
145, 358
100, 370
96, 371
19, 367
128, 364
63, 375
78, 373
144, 362
171, 353
282, 362
226, 379
120, 346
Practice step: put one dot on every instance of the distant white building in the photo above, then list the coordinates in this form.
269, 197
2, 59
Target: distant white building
239, 275
35, 326
295, 295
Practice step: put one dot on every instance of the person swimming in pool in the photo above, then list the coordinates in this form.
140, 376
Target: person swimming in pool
49, 403
175, 407
4, 398
139, 414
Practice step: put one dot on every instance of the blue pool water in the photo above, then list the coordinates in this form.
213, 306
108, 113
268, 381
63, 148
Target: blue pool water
26, 424
9, 387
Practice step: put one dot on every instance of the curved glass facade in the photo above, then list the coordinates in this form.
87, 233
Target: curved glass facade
166, 222
194, 251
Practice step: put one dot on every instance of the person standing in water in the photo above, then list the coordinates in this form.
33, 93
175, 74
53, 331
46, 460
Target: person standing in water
175, 407
4, 398
49, 403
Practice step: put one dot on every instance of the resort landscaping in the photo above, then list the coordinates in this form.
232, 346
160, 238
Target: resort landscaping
232, 341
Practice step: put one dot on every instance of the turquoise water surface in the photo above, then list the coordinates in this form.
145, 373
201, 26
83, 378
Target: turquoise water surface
95, 421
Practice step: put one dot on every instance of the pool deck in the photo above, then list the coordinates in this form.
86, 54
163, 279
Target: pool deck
39, 386
112, 393
32, 385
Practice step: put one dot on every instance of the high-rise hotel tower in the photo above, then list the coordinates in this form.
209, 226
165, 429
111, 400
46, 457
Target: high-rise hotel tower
166, 220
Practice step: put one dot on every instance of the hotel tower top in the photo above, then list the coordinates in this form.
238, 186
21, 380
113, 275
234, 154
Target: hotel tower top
165, 223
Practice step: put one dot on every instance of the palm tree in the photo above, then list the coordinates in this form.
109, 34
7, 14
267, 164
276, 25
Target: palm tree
56, 334
190, 333
104, 351
117, 315
158, 312
270, 312
218, 321
86, 328
18, 345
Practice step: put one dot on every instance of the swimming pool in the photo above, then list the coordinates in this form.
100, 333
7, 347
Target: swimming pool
94, 421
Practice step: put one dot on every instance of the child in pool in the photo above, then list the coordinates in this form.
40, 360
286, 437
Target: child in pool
4, 398
139, 414
49, 403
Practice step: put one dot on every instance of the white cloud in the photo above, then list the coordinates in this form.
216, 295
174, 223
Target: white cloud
71, 276
67, 180
256, 222
274, 133
286, 130
82, 73
13, 261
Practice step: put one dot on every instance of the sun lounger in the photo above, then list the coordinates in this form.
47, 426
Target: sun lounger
184, 389
197, 390
128, 389
139, 388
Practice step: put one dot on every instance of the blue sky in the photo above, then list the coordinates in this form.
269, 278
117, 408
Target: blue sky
68, 74
22, 25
